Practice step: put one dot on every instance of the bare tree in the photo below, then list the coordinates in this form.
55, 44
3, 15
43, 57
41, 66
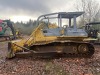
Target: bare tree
91, 9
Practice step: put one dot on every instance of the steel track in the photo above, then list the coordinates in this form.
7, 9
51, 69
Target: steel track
55, 54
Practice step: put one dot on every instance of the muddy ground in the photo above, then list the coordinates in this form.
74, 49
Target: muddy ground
60, 66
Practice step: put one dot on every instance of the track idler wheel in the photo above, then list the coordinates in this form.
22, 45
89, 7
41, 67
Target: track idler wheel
83, 48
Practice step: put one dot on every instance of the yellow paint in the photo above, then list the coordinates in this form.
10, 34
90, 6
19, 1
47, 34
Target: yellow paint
36, 36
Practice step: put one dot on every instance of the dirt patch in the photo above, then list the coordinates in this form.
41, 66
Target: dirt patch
61, 66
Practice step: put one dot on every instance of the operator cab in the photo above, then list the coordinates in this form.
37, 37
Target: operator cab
58, 28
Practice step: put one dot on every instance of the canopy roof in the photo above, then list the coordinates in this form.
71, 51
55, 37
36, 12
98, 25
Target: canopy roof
69, 14
62, 15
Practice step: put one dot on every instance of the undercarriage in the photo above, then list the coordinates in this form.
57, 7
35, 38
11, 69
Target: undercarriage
69, 49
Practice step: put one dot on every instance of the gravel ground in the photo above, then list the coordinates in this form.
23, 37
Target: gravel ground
60, 66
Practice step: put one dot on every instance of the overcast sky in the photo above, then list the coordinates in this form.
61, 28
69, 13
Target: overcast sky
18, 10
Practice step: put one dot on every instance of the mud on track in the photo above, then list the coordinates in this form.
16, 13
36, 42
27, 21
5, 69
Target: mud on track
60, 66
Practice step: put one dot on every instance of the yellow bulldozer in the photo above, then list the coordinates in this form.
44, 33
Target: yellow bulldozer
50, 39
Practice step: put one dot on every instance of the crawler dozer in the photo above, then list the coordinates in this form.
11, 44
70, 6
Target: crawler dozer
48, 39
